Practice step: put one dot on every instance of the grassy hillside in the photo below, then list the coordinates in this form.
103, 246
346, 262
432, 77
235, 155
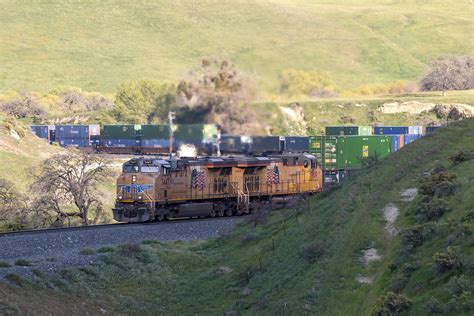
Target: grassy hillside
309, 259
96, 45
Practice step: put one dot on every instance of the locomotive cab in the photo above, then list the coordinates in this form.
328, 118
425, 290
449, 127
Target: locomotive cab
135, 189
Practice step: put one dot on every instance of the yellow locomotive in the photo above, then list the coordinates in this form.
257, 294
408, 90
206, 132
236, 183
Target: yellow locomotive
156, 189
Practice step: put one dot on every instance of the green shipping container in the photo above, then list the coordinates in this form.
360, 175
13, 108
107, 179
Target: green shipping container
348, 130
324, 148
155, 131
355, 152
120, 131
196, 132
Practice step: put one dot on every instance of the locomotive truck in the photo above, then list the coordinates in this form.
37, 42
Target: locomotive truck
150, 189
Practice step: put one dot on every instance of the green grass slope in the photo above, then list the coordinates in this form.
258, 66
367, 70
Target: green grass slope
306, 260
96, 45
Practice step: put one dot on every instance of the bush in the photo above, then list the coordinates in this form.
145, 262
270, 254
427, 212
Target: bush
448, 260
458, 285
391, 304
461, 156
440, 183
23, 262
306, 83
87, 251
106, 249
24, 105
434, 307
4, 264
431, 210
314, 251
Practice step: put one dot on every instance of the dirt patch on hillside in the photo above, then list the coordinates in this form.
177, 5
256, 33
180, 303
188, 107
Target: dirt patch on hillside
365, 279
390, 214
369, 255
409, 194
415, 107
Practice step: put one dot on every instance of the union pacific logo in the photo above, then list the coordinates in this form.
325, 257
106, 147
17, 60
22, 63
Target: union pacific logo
140, 188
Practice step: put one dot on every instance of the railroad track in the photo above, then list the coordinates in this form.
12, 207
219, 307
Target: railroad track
103, 226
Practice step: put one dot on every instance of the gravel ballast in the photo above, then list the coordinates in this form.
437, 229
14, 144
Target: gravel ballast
54, 251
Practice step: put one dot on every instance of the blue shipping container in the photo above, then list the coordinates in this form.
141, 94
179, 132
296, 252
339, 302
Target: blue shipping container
396, 142
390, 130
155, 143
95, 140
73, 142
410, 138
296, 144
42, 131
120, 142
72, 131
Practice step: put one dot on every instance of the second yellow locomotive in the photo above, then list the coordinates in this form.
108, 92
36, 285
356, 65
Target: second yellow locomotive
156, 189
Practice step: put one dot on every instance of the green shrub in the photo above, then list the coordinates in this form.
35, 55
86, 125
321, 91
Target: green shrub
448, 260
4, 264
314, 251
106, 249
431, 184
23, 262
434, 307
87, 251
14, 278
391, 304
461, 156
306, 83
431, 209
459, 284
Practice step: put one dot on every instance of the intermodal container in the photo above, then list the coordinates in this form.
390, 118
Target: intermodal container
52, 133
397, 142
341, 130
155, 131
431, 129
120, 131
410, 138
415, 130
267, 144
206, 133
296, 144
95, 141
94, 129
72, 131
74, 142
324, 148
355, 152
365, 130
334, 178
155, 143
42, 131
118, 142
234, 144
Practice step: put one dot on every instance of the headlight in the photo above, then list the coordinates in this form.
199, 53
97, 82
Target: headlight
120, 197
134, 178
139, 197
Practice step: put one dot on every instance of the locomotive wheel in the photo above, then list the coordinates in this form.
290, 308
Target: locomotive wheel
213, 213
228, 212
221, 213
160, 217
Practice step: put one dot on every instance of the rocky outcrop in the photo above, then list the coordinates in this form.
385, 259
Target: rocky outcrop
453, 111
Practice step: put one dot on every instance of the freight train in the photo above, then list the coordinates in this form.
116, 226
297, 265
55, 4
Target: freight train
340, 151
157, 189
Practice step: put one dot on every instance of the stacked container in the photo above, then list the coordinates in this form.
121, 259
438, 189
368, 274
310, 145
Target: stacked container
234, 144
42, 131
155, 137
73, 135
121, 136
348, 130
355, 152
397, 130
398, 141
267, 144
296, 144
324, 148
431, 129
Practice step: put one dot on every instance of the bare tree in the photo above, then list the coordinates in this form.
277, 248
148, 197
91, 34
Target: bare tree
450, 73
72, 177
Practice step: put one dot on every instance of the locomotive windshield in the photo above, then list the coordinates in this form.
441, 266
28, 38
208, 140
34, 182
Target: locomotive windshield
130, 168
154, 169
